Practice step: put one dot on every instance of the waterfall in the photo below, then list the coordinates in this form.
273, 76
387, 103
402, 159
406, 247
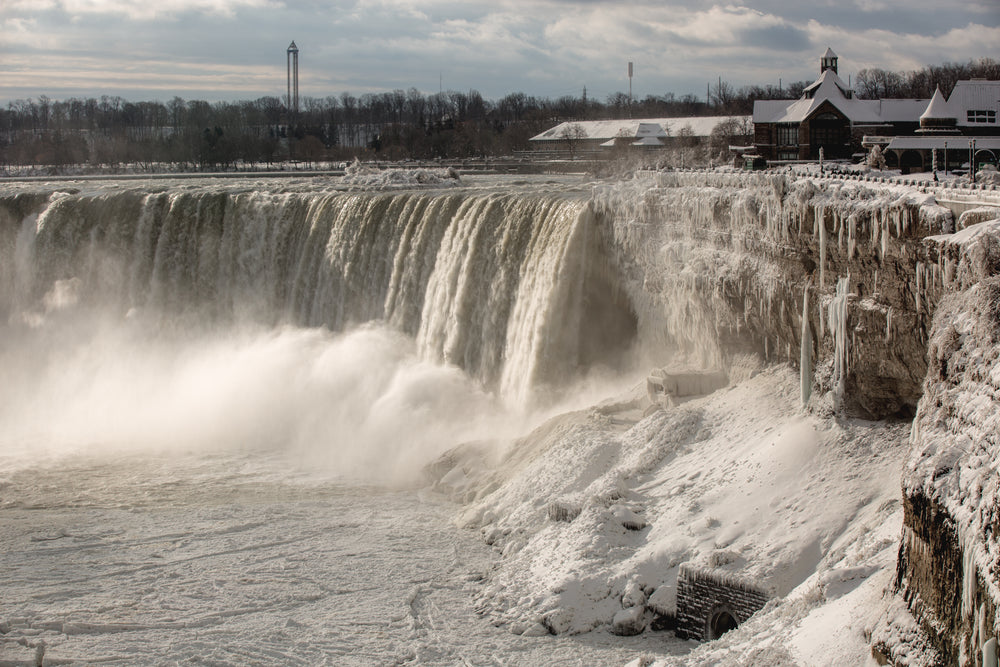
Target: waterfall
492, 282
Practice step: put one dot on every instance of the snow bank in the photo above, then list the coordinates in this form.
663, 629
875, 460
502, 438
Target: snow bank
595, 512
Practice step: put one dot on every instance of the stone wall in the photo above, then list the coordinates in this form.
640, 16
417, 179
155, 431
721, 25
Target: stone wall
944, 590
949, 561
705, 596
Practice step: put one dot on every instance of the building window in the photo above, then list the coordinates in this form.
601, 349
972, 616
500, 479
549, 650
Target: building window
827, 136
788, 135
788, 155
982, 116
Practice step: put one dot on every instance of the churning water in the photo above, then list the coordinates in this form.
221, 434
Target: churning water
207, 388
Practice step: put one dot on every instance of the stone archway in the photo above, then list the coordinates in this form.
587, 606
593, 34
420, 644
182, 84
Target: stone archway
720, 621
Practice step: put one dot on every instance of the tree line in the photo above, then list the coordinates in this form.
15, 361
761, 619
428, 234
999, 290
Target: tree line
876, 83
392, 125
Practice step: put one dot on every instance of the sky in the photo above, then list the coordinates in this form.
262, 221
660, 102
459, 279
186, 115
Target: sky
236, 49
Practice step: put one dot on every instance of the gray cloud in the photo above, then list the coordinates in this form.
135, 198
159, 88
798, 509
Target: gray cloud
778, 37
224, 49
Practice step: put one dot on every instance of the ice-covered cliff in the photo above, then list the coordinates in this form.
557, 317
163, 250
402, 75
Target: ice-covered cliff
720, 269
719, 263
949, 563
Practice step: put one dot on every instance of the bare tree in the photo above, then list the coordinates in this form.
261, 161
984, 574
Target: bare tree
572, 135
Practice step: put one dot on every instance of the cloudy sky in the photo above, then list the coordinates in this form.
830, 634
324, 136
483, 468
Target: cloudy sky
235, 49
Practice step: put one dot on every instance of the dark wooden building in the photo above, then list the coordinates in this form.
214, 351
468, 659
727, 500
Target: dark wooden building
828, 116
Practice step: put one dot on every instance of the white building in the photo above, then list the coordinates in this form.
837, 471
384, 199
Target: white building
650, 133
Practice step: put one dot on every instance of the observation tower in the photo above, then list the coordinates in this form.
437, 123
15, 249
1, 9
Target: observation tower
293, 78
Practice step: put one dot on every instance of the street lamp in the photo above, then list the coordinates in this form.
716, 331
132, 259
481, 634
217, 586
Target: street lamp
972, 167
946, 158
972, 162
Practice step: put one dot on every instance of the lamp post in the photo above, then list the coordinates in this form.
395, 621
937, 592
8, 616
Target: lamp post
972, 164
945, 158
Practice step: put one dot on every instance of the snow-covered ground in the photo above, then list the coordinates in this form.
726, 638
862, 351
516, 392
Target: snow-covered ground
596, 511
250, 557
233, 558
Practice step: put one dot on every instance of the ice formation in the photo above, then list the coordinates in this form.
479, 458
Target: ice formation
805, 354
837, 321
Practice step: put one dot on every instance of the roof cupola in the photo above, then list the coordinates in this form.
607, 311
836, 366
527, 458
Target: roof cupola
828, 61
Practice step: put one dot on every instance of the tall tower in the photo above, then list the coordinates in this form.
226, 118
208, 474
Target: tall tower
293, 78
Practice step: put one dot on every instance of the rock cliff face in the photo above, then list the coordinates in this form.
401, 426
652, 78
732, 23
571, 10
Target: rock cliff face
949, 565
718, 265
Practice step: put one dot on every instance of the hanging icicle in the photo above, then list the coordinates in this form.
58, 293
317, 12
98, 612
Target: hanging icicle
805, 353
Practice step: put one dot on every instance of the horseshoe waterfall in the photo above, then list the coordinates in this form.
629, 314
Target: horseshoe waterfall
764, 405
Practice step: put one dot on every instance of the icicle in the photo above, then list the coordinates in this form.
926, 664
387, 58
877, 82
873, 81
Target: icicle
970, 582
837, 319
851, 242
805, 353
918, 287
821, 318
822, 251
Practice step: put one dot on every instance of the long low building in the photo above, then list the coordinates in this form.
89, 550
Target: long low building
645, 132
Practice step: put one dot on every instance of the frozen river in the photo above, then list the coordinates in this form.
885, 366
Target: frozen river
238, 558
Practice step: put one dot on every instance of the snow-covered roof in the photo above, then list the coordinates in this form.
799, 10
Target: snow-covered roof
825, 80
938, 108
831, 88
647, 141
978, 95
829, 53
660, 128
896, 111
650, 130
827, 88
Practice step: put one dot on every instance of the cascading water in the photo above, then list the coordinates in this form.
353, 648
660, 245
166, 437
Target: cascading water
496, 284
